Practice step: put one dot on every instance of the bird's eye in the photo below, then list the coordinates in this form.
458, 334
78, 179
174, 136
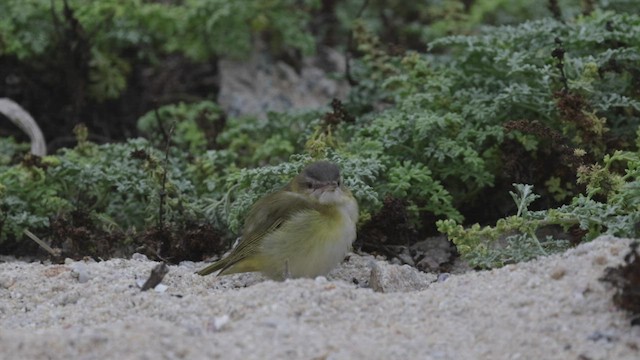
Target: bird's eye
309, 185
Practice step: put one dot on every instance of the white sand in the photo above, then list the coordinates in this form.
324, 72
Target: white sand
552, 308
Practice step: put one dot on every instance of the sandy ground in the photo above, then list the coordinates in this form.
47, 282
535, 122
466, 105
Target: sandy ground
552, 308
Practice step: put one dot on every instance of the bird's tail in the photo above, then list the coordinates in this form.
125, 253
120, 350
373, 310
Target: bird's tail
220, 264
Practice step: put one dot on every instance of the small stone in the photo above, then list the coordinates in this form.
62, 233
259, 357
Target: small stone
602, 335
320, 280
79, 270
7, 282
219, 322
83, 277
139, 257
615, 251
600, 260
67, 299
558, 273
443, 277
160, 288
55, 270
433, 252
393, 278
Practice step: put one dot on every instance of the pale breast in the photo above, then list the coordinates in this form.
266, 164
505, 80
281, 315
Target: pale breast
321, 243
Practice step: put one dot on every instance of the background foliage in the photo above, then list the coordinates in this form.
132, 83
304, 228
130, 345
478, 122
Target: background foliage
452, 103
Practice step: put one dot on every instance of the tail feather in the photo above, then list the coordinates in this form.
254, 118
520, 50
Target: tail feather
220, 264
229, 265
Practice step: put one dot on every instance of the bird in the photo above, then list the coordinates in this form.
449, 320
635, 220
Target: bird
303, 230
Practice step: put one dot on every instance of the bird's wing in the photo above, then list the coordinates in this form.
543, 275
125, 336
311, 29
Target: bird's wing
267, 215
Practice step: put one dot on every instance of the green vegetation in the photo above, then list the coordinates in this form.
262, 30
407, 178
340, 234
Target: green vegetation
483, 97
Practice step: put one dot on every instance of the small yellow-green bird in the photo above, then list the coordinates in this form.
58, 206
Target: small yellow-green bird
303, 230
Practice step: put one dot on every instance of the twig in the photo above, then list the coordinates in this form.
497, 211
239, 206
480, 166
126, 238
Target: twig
53, 252
17, 115
157, 274
165, 136
163, 193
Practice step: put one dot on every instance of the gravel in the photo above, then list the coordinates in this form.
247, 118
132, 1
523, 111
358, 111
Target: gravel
551, 308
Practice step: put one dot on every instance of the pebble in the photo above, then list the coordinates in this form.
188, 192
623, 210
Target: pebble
79, 270
219, 322
7, 282
139, 257
558, 273
388, 278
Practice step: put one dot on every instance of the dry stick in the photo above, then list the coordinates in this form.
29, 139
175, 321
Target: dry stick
42, 244
165, 136
163, 194
157, 274
17, 115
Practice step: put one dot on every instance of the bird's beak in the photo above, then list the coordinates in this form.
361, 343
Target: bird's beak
330, 186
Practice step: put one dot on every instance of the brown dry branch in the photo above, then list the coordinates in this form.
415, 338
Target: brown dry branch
157, 274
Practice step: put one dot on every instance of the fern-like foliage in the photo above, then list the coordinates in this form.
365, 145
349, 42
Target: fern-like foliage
551, 101
516, 238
